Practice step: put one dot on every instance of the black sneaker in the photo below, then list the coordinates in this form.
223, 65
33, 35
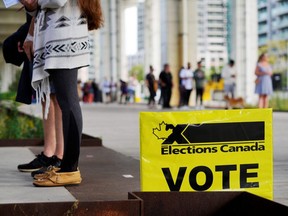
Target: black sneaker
40, 161
54, 161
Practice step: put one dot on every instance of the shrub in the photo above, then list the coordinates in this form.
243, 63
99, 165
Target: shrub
14, 125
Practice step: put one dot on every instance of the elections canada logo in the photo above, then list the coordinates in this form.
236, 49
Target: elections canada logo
210, 137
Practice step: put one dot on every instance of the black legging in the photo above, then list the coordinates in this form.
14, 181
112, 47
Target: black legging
199, 94
65, 83
152, 95
187, 96
166, 96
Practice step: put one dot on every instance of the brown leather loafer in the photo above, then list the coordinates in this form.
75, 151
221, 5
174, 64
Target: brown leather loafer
54, 179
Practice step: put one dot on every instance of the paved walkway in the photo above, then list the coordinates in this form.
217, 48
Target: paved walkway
118, 126
16, 187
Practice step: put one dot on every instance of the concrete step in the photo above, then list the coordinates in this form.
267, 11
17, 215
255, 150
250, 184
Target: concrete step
17, 187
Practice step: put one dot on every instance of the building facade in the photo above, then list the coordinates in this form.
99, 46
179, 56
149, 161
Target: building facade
243, 45
272, 20
212, 32
139, 57
273, 35
141, 25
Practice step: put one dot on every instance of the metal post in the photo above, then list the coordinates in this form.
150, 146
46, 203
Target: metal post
184, 32
286, 65
113, 40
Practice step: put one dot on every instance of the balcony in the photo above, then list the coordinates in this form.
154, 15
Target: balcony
262, 17
215, 9
283, 9
262, 41
215, 16
215, 25
262, 4
282, 35
283, 23
262, 29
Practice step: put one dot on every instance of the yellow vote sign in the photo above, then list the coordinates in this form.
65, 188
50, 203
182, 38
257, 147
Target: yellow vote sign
219, 150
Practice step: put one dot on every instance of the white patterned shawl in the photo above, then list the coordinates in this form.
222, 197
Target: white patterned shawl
60, 42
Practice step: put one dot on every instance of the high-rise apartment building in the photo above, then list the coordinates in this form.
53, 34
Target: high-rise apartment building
138, 58
211, 29
272, 20
141, 25
273, 35
212, 32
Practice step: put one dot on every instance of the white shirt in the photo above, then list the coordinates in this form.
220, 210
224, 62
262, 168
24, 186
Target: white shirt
187, 78
106, 86
132, 83
227, 73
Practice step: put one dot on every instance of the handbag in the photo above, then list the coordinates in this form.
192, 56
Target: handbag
257, 81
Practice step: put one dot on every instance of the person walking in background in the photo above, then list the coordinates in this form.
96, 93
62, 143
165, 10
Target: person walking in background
199, 77
229, 76
186, 75
150, 83
263, 82
166, 83
124, 91
60, 66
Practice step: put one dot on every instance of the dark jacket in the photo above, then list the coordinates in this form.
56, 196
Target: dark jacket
11, 55
166, 78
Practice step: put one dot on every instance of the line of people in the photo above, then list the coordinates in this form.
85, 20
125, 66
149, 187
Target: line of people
190, 80
108, 91
187, 79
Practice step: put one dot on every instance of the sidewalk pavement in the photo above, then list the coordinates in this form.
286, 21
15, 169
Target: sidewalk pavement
118, 126
16, 187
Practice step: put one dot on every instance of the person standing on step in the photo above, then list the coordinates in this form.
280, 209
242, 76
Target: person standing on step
14, 48
186, 75
264, 86
229, 76
166, 83
151, 83
61, 47
199, 77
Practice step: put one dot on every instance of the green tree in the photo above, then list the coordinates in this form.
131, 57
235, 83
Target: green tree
213, 72
137, 70
14, 125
